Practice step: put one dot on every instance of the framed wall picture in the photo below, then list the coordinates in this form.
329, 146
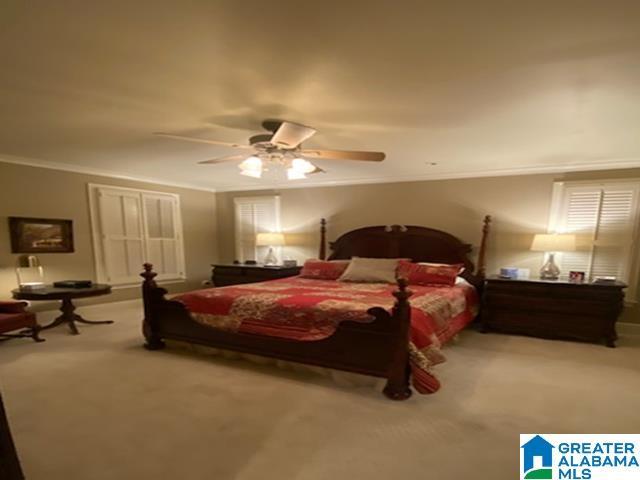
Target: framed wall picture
40, 235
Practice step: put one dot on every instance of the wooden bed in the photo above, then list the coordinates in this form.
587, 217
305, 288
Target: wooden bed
378, 348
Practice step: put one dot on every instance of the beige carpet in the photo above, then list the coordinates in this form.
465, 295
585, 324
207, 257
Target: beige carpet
98, 406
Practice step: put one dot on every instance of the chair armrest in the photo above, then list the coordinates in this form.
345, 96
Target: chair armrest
12, 306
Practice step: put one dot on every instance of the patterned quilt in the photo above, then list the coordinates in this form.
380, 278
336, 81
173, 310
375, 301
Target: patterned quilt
308, 309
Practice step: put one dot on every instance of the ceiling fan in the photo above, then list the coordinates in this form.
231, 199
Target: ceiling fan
283, 147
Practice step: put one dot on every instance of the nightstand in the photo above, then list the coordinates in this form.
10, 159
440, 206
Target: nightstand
553, 309
234, 274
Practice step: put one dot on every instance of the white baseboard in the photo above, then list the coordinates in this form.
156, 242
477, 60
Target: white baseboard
628, 328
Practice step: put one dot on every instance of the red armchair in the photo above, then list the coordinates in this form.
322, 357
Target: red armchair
13, 316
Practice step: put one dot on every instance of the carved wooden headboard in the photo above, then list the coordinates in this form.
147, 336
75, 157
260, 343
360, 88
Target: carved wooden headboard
420, 244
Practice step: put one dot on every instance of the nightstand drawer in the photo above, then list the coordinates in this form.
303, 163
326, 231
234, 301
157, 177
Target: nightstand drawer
229, 271
570, 306
549, 325
550, 290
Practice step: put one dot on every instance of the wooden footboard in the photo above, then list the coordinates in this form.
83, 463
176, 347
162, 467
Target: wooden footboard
379, 348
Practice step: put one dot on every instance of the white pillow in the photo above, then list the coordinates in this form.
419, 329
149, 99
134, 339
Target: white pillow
371, 270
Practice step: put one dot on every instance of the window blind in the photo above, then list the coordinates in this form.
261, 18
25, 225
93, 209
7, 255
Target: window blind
604, 219
254, 215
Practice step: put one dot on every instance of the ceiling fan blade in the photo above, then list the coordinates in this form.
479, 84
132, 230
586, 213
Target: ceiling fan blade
201, 140
344, 155
317, 170
290, 135
229, 158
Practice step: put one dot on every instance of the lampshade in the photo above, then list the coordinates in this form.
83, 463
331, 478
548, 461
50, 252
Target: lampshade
544, 242
251, 167
269, 239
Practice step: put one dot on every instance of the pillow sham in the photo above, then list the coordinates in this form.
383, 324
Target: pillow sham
371, 270
429, 273
323, 269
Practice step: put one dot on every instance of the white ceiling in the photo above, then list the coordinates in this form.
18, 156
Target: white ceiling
477, 87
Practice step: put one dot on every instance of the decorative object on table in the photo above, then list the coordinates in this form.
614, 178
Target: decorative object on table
249, 262
508, 272
66, 295
551, 244
576, 277
560, 309
29, 272
232, 274
73, 284
40, 235
289, 263
270, 240
605, 280
14, 316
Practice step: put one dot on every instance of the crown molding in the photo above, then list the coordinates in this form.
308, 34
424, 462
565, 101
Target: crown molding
66, 167
613, 164
504, 172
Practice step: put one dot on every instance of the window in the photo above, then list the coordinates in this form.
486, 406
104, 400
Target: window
131, 227
255, 215
604, 218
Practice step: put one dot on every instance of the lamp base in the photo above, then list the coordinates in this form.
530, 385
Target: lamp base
550, 271
270, 258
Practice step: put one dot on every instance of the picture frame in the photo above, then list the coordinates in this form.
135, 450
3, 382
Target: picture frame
40, 235
576, 277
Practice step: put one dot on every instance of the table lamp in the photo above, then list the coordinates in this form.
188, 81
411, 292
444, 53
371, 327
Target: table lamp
551, 244
270, 240
29, 272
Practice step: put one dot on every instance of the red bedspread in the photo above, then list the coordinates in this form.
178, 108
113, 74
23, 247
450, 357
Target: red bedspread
306, 310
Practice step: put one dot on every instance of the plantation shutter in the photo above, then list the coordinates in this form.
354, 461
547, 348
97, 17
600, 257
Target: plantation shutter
163, 237
131, 227
121, 235
254, 215
604, 219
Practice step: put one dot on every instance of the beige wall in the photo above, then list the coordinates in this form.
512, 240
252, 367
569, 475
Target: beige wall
519, 206
39, 192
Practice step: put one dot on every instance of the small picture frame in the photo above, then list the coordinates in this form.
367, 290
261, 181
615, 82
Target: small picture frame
576, 277
40, 235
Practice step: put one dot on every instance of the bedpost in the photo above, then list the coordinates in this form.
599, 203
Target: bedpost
397, 387
322, 254
149, 286
481, 269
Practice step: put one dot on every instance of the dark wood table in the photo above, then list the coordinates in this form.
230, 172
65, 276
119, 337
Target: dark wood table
49, 292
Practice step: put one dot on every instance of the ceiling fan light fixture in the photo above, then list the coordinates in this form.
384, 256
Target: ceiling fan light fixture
293, 174
302, 165
251, 167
